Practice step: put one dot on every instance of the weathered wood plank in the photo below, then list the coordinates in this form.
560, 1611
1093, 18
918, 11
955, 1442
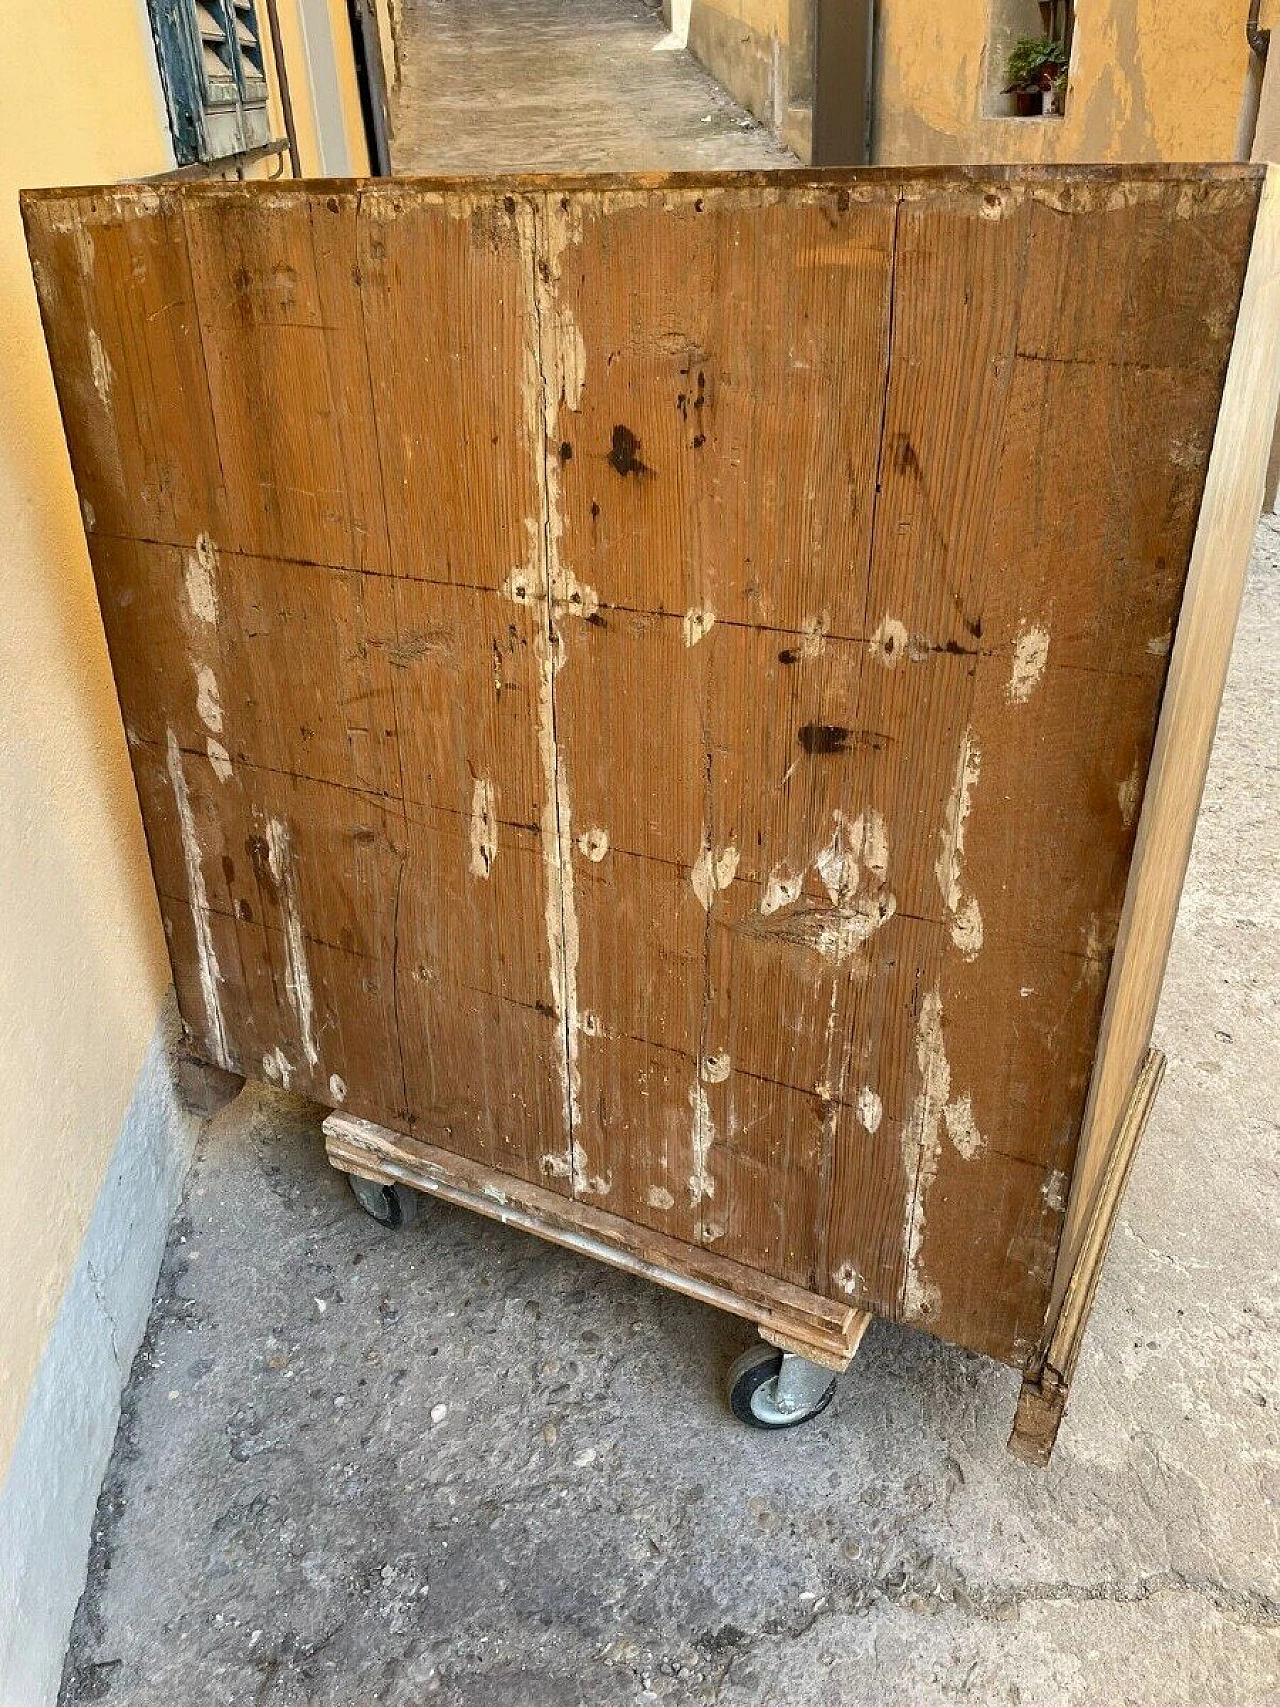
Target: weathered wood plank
674, 733
1228, 513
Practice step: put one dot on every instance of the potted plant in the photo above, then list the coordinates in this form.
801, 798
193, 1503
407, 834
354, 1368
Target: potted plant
1036, 63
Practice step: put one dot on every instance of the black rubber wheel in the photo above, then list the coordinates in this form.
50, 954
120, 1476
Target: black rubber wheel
391, 1206
751, 1385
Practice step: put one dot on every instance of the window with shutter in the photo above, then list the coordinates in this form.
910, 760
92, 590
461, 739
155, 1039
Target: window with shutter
214, 76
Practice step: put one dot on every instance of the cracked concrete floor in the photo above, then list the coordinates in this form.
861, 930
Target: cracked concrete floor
560, 86
455, 1464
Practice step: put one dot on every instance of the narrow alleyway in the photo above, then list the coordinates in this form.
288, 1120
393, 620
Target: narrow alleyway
560, 85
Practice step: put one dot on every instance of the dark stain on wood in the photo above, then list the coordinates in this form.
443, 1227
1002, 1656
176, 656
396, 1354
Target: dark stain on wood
624, 454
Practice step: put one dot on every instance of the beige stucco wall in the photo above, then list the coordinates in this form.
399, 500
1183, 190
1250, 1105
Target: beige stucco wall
758, 49
1150, 80
82, 964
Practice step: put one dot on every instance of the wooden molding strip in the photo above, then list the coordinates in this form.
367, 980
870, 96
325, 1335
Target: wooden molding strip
1188, 718
1044, 1394
787, 1316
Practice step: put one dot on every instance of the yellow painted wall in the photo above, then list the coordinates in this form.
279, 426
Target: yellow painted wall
82, 965
1150, 80
299, 88
758, 49
348, 86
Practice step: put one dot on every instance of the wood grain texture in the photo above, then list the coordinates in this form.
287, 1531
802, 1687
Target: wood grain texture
648, 685
1228, 514
828, 1333
1042, 1401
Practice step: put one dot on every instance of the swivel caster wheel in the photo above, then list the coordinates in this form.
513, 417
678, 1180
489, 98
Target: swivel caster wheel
391, 1205
769, 1388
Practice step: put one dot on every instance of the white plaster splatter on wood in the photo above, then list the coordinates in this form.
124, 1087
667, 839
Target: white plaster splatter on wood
782, 889
567, 368
813, 634
594, 844
1160, 644
714, 869
1096, 949
208, 699
337, 1088
219, 758
588, 1184
100, 366
889, 642
520, 587
199, 581
1129, 794
716, 1067
855, 842
852, 867
837, 863
278, 1067
965, 914
297, 973
849, 1280
870, 1109
207, 959
698, 623
1030, 655
554, 368
1053, 1192
658, 1197
922, 1147
962, 1129
703, 1135
838, 935
573, 1167
484, 828
577, 598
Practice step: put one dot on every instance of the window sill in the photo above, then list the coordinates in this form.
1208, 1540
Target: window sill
220, 168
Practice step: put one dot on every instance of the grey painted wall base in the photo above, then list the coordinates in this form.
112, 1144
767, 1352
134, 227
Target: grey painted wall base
48, 1500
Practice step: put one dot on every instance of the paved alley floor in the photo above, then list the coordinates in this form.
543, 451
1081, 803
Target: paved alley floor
559, 85
456, 1465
